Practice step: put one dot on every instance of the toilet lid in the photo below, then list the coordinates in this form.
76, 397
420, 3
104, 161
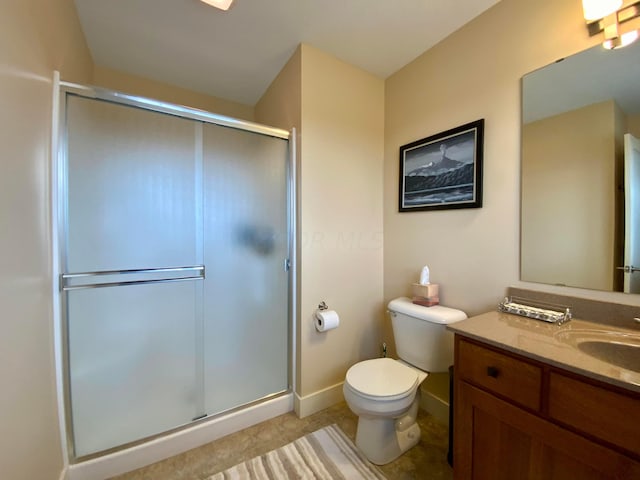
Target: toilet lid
381, 377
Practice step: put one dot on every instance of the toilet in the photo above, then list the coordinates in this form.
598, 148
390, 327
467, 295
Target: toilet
384, 392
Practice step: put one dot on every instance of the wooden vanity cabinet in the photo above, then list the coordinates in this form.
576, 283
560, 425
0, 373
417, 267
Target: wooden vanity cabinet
518, 419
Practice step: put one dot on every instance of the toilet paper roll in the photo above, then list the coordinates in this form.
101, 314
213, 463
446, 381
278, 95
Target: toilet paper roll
326, 320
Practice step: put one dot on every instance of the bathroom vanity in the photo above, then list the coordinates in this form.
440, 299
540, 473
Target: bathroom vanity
531, 401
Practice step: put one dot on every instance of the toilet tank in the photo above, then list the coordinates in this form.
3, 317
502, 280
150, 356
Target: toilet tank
421, 335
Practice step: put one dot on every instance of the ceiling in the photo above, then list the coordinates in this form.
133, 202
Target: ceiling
588, 77
236, 54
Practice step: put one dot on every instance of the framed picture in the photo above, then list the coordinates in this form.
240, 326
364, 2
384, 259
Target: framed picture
443, 171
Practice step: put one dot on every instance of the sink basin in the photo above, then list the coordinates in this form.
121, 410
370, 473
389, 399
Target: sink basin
620, 354
617, 348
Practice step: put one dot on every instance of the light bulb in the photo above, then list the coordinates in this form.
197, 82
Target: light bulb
621, 41
221, 4
597, 9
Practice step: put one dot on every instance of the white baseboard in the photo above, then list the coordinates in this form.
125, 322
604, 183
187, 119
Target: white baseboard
325, 398
174, 443
64, 474
435, 406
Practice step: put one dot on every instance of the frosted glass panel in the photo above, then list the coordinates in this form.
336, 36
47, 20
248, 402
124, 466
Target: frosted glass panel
132, 362
131, 188
246, 244
133, 185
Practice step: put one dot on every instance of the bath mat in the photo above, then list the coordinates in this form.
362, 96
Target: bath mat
324, 454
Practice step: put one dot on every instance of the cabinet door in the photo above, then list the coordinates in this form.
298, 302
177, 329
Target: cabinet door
496, 440
486, 444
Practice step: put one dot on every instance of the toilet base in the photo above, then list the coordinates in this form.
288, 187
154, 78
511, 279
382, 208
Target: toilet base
383, 439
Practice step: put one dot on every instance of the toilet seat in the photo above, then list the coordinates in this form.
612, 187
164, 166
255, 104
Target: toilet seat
382, 379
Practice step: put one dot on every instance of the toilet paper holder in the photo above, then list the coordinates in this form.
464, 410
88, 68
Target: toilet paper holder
325, 319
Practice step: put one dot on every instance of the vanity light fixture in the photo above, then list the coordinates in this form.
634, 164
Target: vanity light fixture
597, 9
221, 4
618, 19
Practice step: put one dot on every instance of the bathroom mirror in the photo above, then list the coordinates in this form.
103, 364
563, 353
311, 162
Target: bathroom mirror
577, 115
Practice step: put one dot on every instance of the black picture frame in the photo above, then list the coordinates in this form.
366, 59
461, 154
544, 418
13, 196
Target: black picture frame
443, 171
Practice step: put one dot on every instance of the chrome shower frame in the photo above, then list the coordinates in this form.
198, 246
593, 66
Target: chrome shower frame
59, 224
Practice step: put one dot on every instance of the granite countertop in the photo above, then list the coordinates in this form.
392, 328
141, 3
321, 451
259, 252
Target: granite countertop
553, 344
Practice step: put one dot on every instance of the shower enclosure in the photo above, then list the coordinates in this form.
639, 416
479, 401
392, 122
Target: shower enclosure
175, 235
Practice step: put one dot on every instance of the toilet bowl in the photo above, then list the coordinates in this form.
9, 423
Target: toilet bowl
385, 393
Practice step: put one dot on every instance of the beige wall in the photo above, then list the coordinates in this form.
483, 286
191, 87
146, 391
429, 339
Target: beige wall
338, 110
341, 215
135, 85
569, 192
474, 73
36, 37
633, 125
280, 106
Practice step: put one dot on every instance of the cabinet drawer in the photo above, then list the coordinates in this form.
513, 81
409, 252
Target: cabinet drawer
502, 374
608, 415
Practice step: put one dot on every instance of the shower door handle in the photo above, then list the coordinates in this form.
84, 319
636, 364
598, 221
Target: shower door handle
629, 269
114, 278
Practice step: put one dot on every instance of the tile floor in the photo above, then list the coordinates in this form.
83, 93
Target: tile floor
426, 461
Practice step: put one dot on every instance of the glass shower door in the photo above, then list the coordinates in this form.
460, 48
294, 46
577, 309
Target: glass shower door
150, 198
133, 272
246, 303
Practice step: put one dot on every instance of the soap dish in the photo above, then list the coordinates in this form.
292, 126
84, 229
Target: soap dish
546, 312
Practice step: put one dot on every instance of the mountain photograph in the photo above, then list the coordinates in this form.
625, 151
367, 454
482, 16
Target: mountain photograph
442, 171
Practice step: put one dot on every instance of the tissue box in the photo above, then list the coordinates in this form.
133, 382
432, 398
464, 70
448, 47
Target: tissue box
426, 301
425, 291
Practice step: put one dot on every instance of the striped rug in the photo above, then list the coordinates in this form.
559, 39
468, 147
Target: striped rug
324, 454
